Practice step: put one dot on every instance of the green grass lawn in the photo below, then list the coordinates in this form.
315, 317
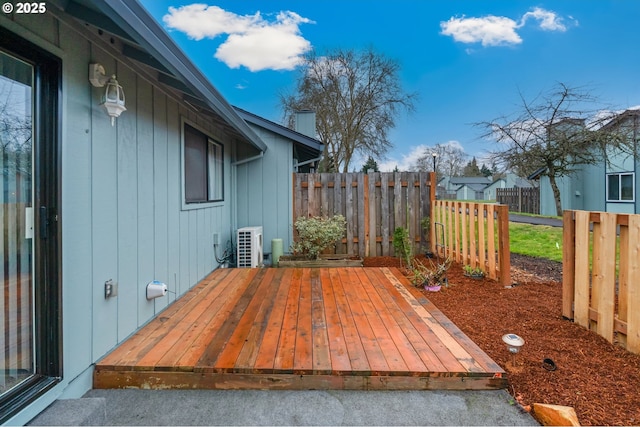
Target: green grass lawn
540, 241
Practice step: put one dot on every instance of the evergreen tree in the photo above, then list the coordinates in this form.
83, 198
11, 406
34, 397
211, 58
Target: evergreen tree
472, 169
370, 165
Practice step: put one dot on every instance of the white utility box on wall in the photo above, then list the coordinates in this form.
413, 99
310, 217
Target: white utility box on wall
250, 253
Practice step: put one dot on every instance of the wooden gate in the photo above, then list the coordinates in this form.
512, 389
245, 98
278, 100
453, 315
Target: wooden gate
601, 274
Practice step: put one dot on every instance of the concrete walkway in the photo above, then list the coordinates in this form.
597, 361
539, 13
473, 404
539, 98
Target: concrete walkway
335, 408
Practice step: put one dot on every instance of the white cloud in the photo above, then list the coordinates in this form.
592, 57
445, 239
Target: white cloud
406, 161
253, 41
549, 21
490, 30
500, 30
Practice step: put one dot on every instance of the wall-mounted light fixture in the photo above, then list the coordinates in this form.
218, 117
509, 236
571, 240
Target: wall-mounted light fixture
113, 99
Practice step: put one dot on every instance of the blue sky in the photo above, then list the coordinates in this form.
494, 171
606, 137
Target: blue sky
467, 60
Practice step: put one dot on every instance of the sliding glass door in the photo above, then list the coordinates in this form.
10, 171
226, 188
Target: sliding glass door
30, 296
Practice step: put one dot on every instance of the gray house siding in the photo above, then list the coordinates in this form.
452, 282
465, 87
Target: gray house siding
265, 188
122, 215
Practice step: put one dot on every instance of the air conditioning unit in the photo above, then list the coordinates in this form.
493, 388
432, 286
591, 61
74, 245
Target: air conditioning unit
250, 247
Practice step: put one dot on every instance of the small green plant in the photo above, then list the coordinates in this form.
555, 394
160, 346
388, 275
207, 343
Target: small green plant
402, 245
315, 234
473, 271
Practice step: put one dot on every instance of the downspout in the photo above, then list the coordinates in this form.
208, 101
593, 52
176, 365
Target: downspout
296, 164
234, 190
249, 159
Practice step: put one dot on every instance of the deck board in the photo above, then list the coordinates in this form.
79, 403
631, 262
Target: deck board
320, 328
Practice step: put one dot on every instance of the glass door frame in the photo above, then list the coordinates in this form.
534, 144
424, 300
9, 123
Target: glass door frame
47, 243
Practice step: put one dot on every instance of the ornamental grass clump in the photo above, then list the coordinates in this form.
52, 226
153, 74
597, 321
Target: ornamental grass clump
315, 234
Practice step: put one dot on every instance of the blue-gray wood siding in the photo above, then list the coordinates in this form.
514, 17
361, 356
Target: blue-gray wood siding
122, 215
265, 190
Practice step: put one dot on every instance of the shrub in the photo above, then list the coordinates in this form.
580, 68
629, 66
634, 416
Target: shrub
402, 244
315, 234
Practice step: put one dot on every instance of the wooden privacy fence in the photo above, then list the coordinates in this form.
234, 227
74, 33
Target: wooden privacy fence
601, 274
475, 234
520, 199
374, 204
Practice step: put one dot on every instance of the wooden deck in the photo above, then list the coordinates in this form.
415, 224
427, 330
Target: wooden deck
320, 328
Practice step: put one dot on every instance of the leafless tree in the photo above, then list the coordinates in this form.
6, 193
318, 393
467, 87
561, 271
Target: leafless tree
450, 159
558, 132
357, 97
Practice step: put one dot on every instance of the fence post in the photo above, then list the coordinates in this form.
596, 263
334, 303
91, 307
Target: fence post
568, 263
504, 254
432, 200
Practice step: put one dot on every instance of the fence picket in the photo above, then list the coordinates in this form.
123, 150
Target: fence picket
633, 290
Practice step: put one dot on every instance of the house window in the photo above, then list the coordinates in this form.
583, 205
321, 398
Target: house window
621, 187
203, 167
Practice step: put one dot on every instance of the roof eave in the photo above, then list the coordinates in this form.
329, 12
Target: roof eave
134, 19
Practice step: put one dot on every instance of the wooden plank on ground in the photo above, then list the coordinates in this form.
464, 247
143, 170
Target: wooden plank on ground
206, 334
379, 323
208, 359
374, 353
285, 353
248, 355
181, 336
395, 302
357, 354
244, 329
415, 313
457, 350
266, 357
391, 317
303, 355
321, 355
338, 351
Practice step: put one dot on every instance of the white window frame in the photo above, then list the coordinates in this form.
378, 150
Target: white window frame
215, 170
619, 176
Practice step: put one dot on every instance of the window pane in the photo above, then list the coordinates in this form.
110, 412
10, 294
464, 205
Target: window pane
613, 187
195, 165
626, 184
16, 204
216, 171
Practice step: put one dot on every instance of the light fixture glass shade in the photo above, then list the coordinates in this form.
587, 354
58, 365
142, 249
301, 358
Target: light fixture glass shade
113, 99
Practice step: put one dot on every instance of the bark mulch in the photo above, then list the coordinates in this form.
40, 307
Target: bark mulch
601, 381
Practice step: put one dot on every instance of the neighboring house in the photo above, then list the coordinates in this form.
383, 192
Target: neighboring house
608, 186
265, 183
470, 192
114, 207
510, 180
462, 187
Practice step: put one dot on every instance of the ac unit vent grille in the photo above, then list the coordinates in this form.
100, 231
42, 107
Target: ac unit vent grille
250, 253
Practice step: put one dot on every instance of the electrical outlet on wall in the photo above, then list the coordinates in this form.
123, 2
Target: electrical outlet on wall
110, 289
216, 239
